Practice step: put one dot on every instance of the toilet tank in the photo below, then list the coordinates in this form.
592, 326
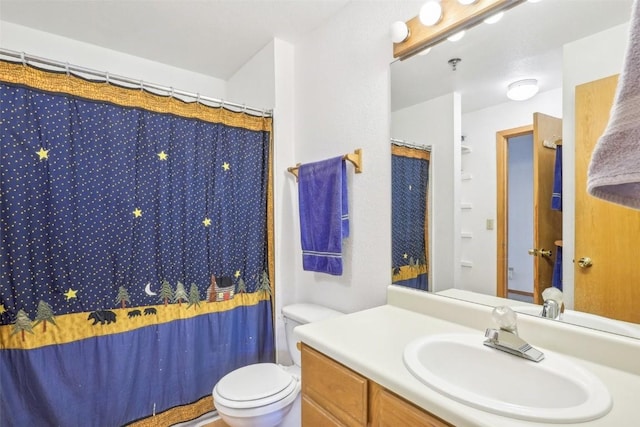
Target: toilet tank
300, 314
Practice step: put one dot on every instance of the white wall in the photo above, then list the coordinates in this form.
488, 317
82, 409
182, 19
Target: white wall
254, 83
479, 128
50, 46
342, 103
285, 213
592, 58
434, 123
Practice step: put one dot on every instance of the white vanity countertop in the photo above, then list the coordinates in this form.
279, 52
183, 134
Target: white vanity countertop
371, 342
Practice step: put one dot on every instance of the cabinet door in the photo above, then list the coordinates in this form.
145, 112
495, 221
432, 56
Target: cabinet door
334, 388
389, 410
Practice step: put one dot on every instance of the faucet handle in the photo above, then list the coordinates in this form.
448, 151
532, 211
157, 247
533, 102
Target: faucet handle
492, 334
505, 318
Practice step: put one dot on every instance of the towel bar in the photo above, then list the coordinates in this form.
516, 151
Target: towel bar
355, 158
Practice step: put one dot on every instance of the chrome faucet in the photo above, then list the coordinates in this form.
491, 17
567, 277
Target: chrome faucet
552, 307
506, 337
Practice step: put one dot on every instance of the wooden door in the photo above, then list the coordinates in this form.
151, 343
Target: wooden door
547, 223
606, 233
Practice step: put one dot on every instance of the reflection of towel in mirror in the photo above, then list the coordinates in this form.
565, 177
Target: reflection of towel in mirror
614, 172
556, 197
324, 215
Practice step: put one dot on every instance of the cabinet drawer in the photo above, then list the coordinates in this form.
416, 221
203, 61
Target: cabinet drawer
335, 388
389, 410
313, 415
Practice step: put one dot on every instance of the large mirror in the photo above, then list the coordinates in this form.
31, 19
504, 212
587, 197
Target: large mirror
484, 241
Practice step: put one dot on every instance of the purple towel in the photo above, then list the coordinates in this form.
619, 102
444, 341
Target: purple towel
324, 214
614, 172
556, 196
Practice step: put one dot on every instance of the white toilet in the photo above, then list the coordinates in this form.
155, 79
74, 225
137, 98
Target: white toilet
261, 395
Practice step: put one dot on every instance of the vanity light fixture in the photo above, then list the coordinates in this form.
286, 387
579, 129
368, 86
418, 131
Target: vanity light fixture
431, 13
522, 90
457, 36
495, 18
440, 19
399, 32
424, 52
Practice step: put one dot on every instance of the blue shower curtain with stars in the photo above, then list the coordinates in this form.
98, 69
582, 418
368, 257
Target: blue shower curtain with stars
409, 216
134, 259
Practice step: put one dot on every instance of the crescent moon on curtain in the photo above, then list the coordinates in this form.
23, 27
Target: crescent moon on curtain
148, 290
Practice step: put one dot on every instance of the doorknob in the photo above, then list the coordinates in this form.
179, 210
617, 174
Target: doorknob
541, 252
585, 262
545, 253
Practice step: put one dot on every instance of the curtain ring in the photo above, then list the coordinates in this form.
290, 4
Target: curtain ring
198, 98
24, 60
142, 85
244, 108
66, 68
171, 93
107, 77
222, 104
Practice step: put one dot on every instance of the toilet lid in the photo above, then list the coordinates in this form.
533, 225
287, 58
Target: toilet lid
254, 385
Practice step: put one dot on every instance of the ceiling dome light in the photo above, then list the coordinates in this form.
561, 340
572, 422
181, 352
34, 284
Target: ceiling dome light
399, 32
457, 36
467, 2
430, 13
494, 18
522, 89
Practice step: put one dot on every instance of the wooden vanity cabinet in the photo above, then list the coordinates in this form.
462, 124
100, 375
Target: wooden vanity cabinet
334, 395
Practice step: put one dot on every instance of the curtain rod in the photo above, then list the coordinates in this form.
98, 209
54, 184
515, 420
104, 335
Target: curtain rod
410, 144
108, 77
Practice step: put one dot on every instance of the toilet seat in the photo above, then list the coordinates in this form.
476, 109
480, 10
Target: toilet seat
254, 386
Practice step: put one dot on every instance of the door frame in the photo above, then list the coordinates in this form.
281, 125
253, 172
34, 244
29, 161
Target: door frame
502, 196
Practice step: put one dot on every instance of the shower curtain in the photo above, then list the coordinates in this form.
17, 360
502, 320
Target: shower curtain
136, 262
410, 213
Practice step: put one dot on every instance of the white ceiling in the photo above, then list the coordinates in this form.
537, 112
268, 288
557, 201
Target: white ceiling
212, 37
216, 37
526, 43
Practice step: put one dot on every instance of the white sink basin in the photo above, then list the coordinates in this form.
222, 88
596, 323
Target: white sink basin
553, 391
588, 320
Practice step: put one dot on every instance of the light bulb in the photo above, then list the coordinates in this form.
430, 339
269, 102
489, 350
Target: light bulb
467, 2
522, 89
399, 32
494, 18
424, 52
457, 36
430, 13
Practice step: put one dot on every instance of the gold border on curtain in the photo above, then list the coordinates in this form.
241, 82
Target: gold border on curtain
177, 415
51, 81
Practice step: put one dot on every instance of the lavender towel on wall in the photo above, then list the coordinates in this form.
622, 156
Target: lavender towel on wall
614, 172
324, 214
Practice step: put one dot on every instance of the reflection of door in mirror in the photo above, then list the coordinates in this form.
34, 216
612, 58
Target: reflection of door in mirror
528, 259
410, 216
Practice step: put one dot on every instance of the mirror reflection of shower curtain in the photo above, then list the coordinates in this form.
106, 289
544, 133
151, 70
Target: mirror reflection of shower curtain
410, 216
